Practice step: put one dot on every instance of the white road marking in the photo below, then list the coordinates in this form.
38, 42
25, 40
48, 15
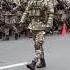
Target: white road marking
13, 65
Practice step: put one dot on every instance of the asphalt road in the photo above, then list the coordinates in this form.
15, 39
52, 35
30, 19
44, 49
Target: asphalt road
56, 48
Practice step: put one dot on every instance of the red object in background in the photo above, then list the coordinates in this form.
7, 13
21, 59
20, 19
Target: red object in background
64, 30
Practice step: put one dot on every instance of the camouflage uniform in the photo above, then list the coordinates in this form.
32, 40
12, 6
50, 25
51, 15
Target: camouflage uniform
2, 12
41, 14
6, 26
62, 10
0, 22
10, 20
20, 28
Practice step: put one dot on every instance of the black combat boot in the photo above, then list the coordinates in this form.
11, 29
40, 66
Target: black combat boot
16, 36
32, 65
42, 63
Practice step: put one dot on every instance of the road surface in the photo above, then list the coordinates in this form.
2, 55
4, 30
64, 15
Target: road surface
56, 48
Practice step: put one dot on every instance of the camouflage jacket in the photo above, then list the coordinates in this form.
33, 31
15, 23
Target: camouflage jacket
48, 16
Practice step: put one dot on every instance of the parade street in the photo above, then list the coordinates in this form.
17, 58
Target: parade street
15, 54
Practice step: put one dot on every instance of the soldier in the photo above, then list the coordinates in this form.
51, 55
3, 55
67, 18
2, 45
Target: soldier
62, 8
0, 23
41, 14
10, 20
13, 22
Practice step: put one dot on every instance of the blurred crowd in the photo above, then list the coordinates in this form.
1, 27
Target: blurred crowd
61, 15
11, 13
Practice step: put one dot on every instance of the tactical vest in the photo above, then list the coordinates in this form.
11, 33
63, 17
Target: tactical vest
35, 8
35, 11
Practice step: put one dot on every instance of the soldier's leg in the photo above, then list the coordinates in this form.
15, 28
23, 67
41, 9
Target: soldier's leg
32, 65
39, 49
0, 32
16, 31
7, 33
7, 37
0, 35
3, 35
39, 56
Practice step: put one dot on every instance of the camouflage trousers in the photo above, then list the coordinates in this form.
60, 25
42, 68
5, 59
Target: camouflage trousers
12, 27
7, 28
38, 37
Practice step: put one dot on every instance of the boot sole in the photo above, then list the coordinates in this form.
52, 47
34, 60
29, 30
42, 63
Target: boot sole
30, 67
41, 67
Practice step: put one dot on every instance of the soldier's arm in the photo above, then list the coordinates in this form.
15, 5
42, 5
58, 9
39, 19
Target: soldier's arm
51, 13
24, 15
23, 18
